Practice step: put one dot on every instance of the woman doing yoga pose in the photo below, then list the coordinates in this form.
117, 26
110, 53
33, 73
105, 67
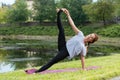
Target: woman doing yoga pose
74, 46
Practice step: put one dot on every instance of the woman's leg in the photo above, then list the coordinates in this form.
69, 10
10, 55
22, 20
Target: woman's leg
61, 35
60, 56
63, 53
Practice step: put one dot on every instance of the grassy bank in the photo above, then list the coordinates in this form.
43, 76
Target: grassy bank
109, 68
109, 31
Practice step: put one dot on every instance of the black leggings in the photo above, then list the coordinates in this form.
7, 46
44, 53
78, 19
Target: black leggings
62, 50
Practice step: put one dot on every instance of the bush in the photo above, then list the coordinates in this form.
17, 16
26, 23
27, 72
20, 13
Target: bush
111, 31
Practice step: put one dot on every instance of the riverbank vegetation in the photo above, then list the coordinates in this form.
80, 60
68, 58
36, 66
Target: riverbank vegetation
108, 31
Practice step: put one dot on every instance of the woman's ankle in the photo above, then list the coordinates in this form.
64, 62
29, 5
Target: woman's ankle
60, 11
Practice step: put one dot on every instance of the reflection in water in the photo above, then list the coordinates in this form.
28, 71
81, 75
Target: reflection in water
23, 58
6, 67
27, 56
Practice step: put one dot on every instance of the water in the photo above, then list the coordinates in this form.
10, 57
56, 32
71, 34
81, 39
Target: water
13, 58
6, 67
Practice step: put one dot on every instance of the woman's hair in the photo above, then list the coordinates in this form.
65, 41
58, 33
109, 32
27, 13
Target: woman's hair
95, 39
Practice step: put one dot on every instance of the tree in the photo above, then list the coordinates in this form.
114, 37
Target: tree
100, 11
76, 10
19, 12
112, 1
45, 10
116, 4
3, 14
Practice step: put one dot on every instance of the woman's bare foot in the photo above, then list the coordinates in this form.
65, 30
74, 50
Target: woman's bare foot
63, 9
59, 10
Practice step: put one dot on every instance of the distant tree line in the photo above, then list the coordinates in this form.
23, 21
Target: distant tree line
82, 11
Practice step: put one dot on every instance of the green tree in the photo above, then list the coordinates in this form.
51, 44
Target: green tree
76, 10
100, 11
112, 1
116, 4
3, 14
45, 10
18, 12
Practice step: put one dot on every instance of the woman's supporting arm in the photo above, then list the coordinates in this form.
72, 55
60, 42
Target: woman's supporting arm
82, 61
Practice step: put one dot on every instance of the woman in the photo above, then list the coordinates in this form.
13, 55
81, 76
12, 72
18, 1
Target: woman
74, 46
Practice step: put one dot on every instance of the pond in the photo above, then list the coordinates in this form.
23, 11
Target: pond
12, 58
20, 55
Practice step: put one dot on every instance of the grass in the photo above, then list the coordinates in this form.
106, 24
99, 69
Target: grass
109, 68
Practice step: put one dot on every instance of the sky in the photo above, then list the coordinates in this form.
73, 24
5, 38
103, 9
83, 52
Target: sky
12, 1
94, 0
7, 1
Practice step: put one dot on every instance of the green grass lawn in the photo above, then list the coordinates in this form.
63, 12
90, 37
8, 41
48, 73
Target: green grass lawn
110, 67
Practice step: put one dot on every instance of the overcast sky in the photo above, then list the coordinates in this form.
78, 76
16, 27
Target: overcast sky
12, 1
94, 0
7, 1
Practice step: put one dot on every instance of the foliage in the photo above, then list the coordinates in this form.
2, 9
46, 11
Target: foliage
113, 1
19, 12
42, 30
109, 31
112, 31
45, 10
106, 71
117, 8
34, 30
100, 11
76, 10
81, 10
3, 14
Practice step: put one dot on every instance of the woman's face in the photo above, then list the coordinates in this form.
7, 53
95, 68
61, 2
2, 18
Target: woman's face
90, 37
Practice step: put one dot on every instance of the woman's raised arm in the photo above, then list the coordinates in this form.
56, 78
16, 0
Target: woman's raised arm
75, 29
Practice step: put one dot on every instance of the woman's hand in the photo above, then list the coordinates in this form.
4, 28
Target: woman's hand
84, 69
66, 11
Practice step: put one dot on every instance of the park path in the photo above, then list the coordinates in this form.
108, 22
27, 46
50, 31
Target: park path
116, 78
28, 37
